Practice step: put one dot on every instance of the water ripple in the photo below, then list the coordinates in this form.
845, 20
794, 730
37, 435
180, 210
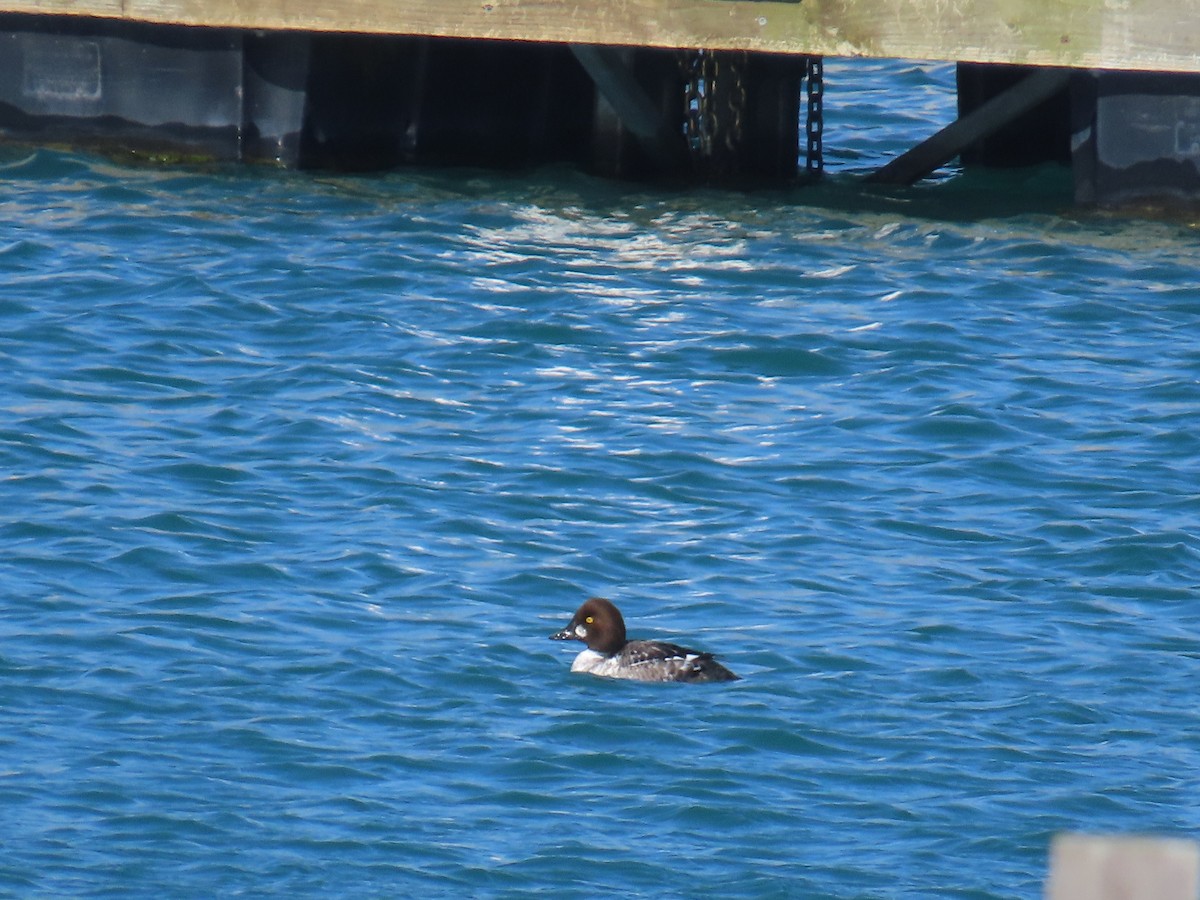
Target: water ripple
300, 473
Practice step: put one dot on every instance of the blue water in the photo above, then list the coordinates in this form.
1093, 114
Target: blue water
300, 471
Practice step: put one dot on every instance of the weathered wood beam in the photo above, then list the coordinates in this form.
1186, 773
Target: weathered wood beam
988, 118
633, 107
1157, 35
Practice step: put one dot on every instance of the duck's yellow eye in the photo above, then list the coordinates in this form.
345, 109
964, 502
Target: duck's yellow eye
589, 620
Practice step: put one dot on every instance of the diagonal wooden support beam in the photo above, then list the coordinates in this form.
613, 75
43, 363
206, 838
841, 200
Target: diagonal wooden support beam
979, 123
635, 109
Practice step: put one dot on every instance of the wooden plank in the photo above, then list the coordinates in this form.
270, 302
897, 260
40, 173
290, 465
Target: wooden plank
107, 9
960, 134
620, 88
1093, 867
1119, 34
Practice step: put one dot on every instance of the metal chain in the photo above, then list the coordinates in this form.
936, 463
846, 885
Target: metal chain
714, 98
696, 115
691, 99
710, 74
737, 104
814, 126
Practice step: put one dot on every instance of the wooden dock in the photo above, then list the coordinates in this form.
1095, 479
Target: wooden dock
690, 90
1142, 35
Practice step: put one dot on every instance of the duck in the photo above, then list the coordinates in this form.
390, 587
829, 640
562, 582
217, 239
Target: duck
599, 624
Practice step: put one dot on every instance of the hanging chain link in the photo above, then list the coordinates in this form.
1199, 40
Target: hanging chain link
700, 72
693, 99
736, 101
710, 79
714, 107
714, 98
814, 126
